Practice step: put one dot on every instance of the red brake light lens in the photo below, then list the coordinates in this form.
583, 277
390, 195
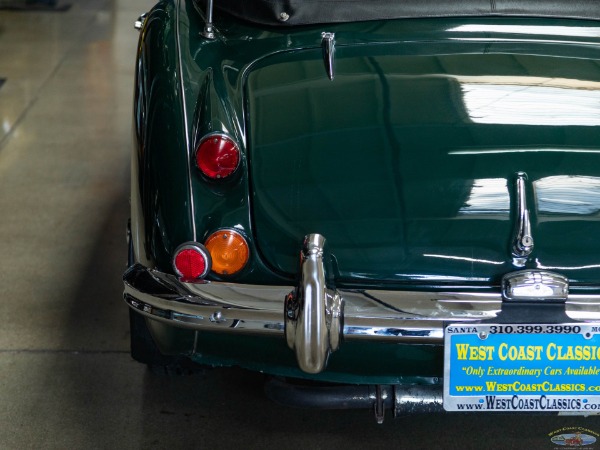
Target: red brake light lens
191, 261
217, 156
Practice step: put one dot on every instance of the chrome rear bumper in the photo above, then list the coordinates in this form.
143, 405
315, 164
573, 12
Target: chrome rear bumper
314, 318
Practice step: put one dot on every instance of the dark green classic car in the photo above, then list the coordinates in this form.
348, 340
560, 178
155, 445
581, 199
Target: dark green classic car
388, 204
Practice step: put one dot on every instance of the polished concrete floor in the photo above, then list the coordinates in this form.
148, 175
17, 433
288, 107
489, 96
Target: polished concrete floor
66, 378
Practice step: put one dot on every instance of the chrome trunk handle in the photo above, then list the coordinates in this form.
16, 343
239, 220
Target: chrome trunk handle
523, 237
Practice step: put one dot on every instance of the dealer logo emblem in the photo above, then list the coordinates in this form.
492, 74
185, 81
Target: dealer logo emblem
573, 437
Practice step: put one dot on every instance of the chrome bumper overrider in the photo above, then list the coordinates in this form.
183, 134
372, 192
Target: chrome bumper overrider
315, 317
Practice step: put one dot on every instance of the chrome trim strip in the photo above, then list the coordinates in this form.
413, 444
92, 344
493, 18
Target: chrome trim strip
378, 315
186, 125
523, 239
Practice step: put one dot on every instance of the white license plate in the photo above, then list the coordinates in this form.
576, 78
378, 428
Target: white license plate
522, 367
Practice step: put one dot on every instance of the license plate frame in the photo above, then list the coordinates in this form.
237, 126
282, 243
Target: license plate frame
522, 367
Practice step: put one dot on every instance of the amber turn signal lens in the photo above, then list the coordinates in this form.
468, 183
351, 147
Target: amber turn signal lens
228, 250
191, 261
217, 156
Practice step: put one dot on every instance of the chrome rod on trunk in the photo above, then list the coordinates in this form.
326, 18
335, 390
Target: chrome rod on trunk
209, 32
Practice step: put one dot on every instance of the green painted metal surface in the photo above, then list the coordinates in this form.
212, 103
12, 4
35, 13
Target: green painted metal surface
406, 161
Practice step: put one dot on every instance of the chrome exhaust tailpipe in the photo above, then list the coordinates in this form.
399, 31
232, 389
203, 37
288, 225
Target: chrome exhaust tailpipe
313, 313
401, 399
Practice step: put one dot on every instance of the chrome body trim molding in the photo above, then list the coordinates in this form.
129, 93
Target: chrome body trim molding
186, 125
523, 239
377, 315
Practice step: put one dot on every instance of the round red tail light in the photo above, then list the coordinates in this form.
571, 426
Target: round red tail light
217, 156
191, 261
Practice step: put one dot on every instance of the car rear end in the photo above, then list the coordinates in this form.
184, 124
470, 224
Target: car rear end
374, 183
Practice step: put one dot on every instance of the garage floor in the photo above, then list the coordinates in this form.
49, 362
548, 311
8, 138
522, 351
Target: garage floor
66, 378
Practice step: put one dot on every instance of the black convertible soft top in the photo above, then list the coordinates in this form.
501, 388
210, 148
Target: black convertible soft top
304, 12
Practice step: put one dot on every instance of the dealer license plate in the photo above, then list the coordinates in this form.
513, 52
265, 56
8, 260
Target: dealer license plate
522, 367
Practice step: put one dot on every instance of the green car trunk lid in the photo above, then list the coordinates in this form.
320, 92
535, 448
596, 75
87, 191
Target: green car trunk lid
406, 161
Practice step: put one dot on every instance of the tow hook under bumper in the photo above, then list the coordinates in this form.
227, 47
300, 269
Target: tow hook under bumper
313, 312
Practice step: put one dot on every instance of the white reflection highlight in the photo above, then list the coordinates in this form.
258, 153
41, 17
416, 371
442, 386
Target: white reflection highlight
464, 258
518, 104
491, 151
568, 195
541, 266
487, 196
529, 29
447, 278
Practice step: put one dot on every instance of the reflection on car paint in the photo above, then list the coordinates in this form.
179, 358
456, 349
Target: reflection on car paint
463, 258
589, 266
561, 194
523, 104
528, 30
491, 151
568, 195
487, 196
